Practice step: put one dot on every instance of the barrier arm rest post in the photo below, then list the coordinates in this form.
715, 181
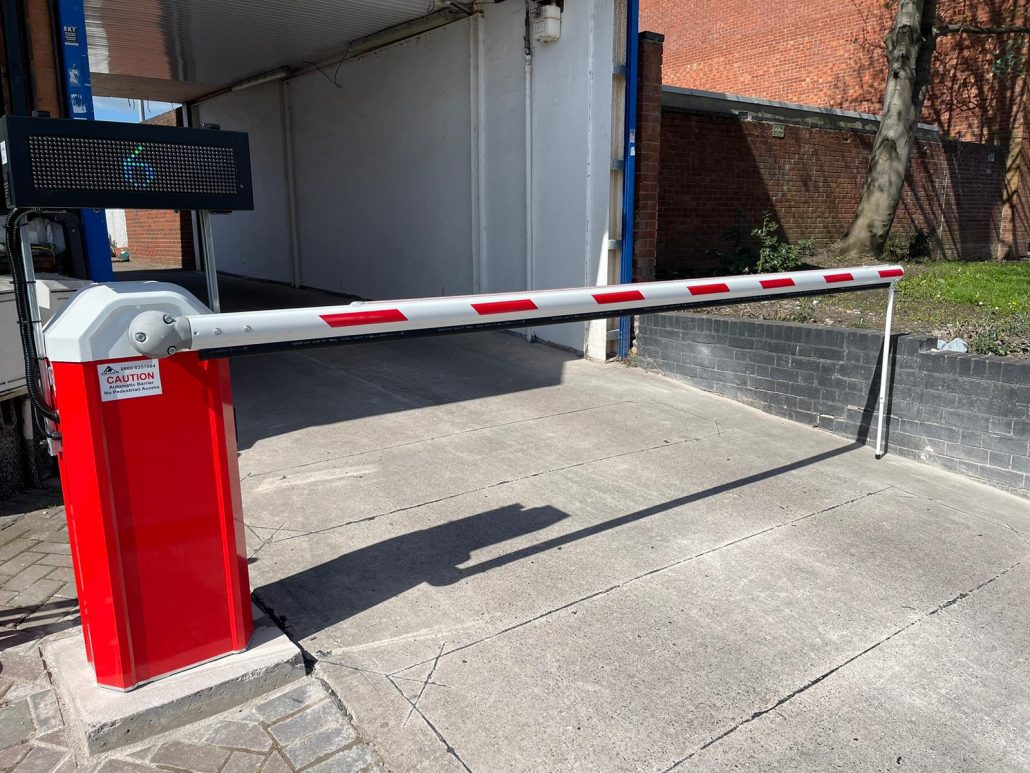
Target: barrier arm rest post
885, 365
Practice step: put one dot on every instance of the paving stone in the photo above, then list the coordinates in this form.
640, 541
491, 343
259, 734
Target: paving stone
351, 761
15, 547
13, 615
63, 560
45, 712
40, 591
311, 720
243, 762
276, 764
54, 548
239, 735
26, 578
6, 597
42, 759
24, 667
123, 766
190, 756
54, 738
62, 574
318, 745
12, 756
19, 564
15, 724
290, 702
11, 532
67, 591
142, 754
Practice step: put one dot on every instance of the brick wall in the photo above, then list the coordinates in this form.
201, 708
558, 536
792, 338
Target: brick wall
161, 238
716, 169
649, 152
830, 54
963, 413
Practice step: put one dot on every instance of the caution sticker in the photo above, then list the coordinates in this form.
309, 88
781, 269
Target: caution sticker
125, 380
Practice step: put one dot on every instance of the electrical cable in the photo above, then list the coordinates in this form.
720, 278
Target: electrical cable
20, 283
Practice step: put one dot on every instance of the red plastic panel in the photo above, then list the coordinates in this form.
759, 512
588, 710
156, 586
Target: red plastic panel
152, 495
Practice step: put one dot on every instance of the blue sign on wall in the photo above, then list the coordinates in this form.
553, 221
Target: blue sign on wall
78, 88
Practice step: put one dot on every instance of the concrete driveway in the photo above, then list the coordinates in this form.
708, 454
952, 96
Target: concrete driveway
504, 558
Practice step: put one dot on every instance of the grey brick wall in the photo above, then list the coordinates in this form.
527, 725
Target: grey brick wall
964, 413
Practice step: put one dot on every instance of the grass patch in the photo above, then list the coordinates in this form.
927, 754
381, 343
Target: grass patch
985, 304
1000, 287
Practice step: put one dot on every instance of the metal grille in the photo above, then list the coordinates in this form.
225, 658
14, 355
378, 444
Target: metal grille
89, 164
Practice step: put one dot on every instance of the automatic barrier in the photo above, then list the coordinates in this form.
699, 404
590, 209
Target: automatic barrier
131, 388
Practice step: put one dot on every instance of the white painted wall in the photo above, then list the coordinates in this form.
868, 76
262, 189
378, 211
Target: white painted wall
411, 174
504, 141
255, 244
383, 170
117, 230
572, 107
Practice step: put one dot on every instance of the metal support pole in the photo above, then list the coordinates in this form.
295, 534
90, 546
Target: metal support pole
210, 270
629, 208
45, 381
884, 368
31, 292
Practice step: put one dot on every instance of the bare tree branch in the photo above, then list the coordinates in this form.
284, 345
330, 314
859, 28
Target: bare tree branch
976, 29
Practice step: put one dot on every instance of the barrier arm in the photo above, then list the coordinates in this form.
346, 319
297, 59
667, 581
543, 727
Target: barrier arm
159, 335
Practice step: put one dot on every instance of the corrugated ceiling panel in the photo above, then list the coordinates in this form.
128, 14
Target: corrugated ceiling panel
222, 41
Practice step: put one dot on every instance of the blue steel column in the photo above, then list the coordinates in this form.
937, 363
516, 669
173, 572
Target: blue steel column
78, 95
630, 174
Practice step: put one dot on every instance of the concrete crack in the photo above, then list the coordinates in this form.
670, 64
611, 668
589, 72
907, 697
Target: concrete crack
450, 749
1000, 524
425, 684
825, 675
649, 573
498, 484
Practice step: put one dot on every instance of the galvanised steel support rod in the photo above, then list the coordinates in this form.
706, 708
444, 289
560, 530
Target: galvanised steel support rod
218, 335
884, 371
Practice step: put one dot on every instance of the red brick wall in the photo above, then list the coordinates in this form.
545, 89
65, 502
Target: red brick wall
829, 53
716, 168
161, 238
649, 151
1019, 206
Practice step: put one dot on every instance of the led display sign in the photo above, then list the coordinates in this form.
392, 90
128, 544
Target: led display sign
52, 163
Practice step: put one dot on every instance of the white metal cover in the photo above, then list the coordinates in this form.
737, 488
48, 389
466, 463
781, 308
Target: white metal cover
92, 327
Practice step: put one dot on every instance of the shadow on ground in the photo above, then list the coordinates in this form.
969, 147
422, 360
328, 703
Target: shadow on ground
364, 578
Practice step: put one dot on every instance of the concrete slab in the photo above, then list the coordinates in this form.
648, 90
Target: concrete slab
101, 719
505, 558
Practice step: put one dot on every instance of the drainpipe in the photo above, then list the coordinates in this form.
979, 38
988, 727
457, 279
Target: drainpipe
630, 174
291, 182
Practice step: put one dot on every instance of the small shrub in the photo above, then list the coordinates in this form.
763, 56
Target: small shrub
775, 255
740, 255
989, 341
772, 255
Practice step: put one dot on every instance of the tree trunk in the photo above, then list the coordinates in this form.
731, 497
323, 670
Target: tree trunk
910, 48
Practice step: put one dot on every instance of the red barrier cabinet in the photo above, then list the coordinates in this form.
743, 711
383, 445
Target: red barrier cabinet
151, 490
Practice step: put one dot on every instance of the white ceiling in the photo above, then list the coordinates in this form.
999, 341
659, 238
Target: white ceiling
180, 49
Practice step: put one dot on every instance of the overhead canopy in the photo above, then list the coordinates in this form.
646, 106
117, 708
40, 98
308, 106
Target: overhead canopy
178, 50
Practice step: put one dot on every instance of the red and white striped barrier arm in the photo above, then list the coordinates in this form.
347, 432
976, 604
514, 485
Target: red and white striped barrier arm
222, 334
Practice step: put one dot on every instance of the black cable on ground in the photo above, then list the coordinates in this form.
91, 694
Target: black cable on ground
19, 280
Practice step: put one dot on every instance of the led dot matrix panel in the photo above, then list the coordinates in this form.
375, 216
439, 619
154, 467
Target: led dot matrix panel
98, 164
